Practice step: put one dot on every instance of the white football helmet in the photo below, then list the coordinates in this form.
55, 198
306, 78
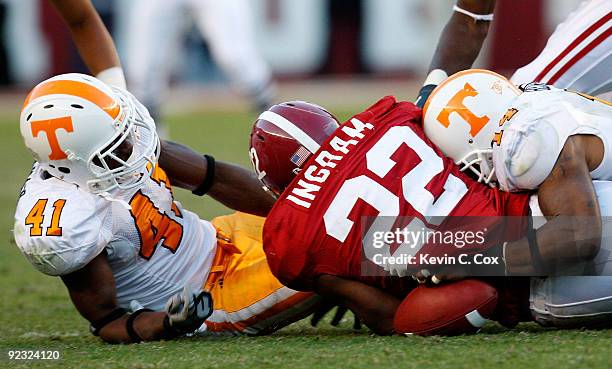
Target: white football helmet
462, 115
84, 132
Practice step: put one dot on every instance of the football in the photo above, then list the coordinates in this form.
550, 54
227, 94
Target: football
453, 308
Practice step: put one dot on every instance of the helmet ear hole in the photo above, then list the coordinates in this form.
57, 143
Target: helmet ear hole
29, 116
64, 170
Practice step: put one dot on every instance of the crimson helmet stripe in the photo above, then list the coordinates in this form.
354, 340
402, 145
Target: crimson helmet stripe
293, 130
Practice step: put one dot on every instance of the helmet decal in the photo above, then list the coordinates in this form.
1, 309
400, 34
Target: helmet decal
50, 127
456, 105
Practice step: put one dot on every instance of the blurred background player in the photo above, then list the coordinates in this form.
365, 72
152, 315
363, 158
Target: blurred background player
89, 34
577, 56
154, 38
320, 39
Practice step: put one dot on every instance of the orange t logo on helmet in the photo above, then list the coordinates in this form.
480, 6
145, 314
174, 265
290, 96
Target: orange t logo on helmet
50, 127
456, 105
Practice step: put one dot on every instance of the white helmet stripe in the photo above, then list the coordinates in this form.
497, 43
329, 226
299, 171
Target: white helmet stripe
293, 130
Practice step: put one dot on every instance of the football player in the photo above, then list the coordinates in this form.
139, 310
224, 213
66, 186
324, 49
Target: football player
327, 176
98, 211
540, 139
577, 55
227, 26
543, 138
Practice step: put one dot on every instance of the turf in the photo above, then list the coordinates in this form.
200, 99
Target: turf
37, 314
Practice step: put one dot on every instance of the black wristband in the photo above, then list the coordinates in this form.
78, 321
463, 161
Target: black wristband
534, 249
96, 326
424, 93
169, 330
129, 325
209, 179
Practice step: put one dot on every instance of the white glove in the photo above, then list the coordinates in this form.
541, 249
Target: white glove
113, 76
187, 310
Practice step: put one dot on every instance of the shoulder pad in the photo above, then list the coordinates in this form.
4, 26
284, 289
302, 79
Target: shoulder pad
526, 156
79, 233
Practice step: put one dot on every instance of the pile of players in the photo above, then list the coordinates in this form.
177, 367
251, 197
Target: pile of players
98, 208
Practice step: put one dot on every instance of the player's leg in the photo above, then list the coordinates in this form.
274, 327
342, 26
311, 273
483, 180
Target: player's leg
152, 39
228, 28
573, 302
247, 297
570, 302
578, 55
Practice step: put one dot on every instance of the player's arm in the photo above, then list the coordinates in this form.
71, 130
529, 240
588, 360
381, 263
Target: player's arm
92, 290
374, 307
573, 231
462, 37
459, 43
92, 39
230, 184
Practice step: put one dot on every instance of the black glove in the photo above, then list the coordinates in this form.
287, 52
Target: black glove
187, 310
424, 93
325, 307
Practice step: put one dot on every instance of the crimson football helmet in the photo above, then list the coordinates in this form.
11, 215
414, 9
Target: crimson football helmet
284, 137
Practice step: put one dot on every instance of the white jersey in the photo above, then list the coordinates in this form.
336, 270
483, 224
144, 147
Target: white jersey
535, 129
578, 55
154, 248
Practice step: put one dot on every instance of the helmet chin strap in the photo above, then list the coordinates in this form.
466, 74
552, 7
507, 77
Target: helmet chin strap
269, 192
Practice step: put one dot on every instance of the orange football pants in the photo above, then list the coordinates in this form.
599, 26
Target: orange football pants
247, 298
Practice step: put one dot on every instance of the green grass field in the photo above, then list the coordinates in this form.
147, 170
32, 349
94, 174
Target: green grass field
36, 313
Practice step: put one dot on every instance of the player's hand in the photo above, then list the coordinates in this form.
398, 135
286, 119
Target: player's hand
422, 276
187, 310
325, 307
397, 270
446, 274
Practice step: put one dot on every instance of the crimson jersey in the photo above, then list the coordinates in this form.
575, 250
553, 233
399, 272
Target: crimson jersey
378, 163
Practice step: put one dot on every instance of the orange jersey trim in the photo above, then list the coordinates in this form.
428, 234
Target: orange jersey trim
268, 313
80, 89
